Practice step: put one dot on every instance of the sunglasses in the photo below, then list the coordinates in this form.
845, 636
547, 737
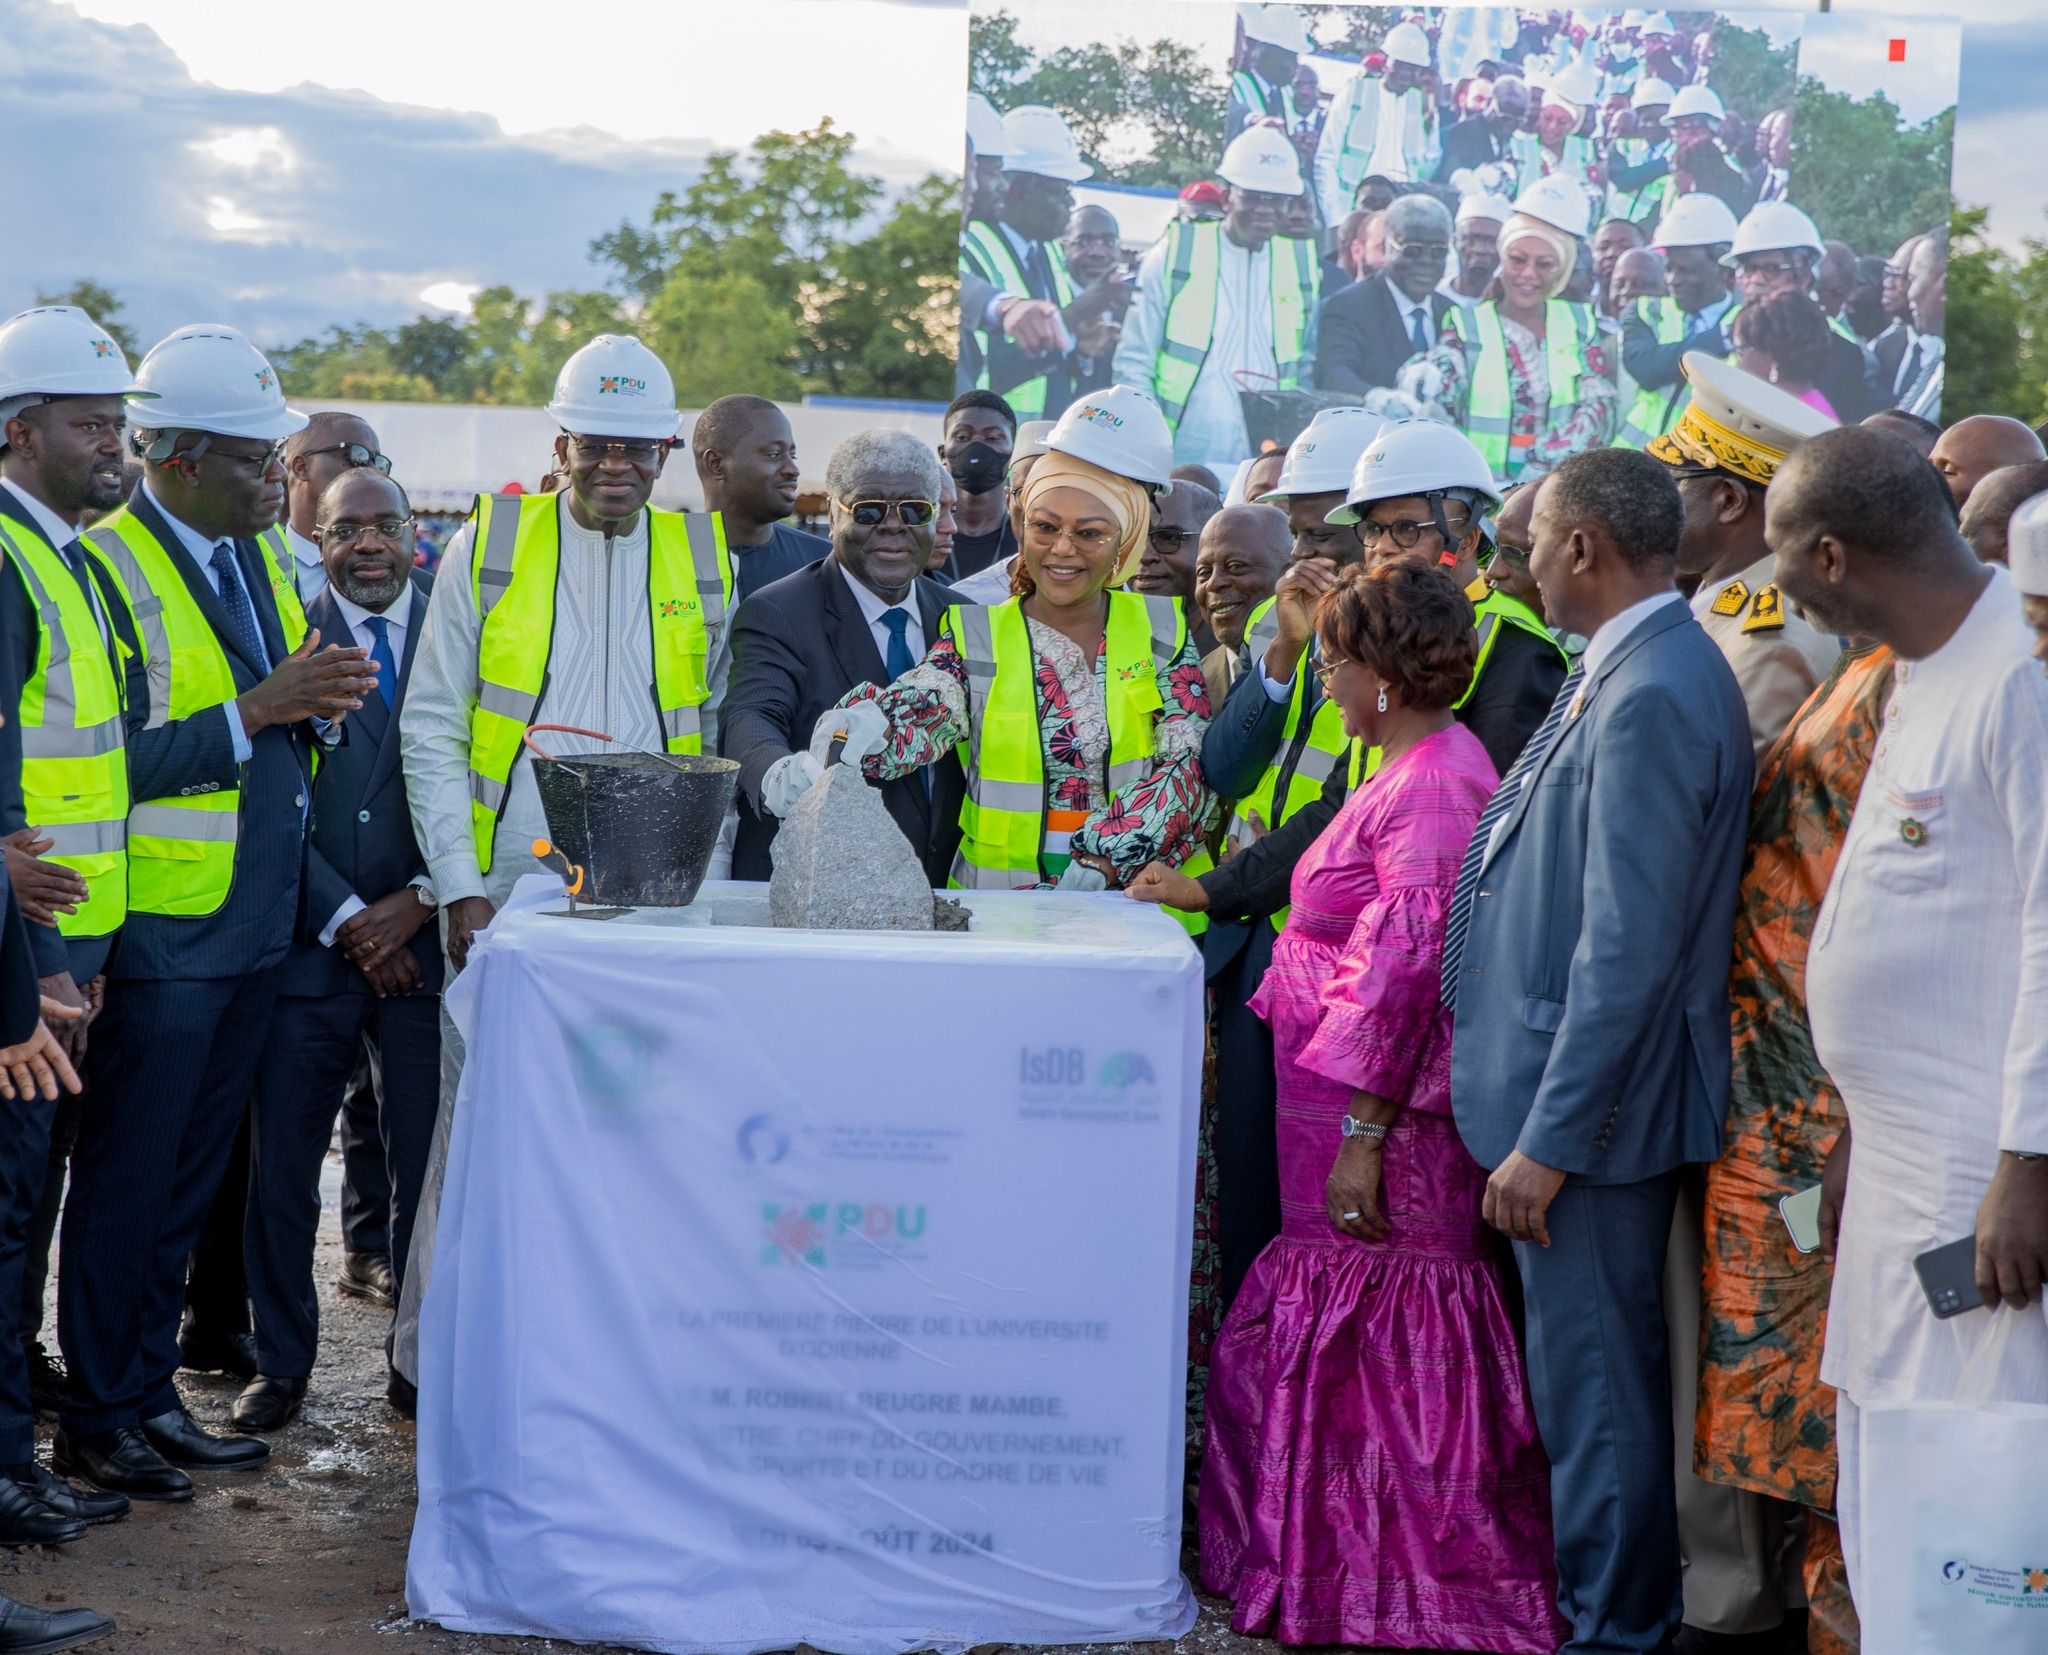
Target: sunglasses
359, 454
872, 514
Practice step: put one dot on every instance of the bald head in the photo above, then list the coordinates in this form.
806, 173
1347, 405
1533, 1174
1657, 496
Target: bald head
1971, 449
1994, 500
1923, 434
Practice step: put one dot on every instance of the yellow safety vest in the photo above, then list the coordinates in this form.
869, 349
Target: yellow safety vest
986, 251
1244, 86
1656, 408
1646, 201
1003, 835
1351, 132
181, 851
514, 561
74, 766
1194, 265
1568, 334
1575, 161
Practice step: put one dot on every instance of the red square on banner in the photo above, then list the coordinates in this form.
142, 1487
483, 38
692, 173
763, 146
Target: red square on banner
1898, 51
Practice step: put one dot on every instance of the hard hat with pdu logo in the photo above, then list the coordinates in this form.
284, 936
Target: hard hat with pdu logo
616, 387
209, 377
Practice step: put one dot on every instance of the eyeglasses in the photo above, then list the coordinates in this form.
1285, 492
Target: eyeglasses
1327, 668
1421, 249
259, 463
1767, 272
359, 454
346, 534
872, 514
1405, 534
641, 456
1169, 541
1515, 557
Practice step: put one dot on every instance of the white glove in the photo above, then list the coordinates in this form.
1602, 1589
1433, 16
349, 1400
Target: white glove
1078, 876
787, 780
866, 727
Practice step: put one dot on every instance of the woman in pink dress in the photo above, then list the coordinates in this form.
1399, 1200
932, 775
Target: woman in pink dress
1373, 1475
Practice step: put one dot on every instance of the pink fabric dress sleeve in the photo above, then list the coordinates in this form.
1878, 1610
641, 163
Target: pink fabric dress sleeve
1381, 1026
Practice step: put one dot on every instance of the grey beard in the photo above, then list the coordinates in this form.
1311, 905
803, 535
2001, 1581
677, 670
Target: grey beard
376, 599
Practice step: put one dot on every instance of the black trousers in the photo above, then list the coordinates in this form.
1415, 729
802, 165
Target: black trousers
24, 1156
172, 1064
305, 1070
365, 1178
1247, 1141
42, 1228
216, 1285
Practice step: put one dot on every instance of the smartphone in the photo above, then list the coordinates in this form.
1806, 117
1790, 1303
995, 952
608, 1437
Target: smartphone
1948, 1276
1801, 1214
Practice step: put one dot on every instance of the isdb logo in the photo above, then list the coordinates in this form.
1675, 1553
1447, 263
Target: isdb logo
762, 1141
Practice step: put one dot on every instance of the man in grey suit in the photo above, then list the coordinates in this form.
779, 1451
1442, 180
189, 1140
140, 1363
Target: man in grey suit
1586, 965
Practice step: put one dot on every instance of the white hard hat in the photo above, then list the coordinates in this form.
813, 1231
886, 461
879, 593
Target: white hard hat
985, 135
1559, 201
1261, 158
2026, 547
59, 351
1650, 90
1579, 85
1658, 22
1040, 141
616, 387
1696, 220
1276, 26
1029, 442
1320, 460
1416, 456
208, 377
1406, 43
1536, 74
1484, 204
1774, 227
1120, 429
1633, 17
1695, 100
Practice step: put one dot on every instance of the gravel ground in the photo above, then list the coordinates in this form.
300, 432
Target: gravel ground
307, 1553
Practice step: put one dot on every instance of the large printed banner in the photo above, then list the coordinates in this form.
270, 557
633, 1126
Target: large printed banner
814, 1287
1102, 137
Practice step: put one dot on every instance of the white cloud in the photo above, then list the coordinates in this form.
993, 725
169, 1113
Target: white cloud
455, 296
224, 218
251, 149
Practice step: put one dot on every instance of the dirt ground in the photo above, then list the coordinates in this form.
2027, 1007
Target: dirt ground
307, 1554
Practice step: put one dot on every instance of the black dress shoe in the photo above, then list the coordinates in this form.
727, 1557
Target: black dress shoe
87, 1505
176, 1435
368, 1276
26, 1631
402, 1394
229, 1353
45, 1381
26, 1521
268, 1404
121, 1461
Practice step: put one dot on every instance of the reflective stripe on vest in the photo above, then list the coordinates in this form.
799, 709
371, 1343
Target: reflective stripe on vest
987, 251
181, 850
1002, 816
1575, 160
1246, 89
1655, 408
1494, 613
516, 559
1567, 333
74, 770
1353, 127
1194, 263
1645, 201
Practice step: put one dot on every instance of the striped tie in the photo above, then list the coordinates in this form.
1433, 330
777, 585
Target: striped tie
1460, 921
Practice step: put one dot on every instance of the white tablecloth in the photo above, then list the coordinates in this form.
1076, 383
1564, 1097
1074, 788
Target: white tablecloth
814, 1286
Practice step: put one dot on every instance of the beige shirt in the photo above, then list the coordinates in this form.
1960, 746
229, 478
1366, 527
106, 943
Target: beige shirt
1777, 654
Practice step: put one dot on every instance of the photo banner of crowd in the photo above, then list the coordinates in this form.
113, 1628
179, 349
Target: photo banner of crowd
1517, 221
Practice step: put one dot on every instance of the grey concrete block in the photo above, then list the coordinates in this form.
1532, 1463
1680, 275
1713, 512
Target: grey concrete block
842, 863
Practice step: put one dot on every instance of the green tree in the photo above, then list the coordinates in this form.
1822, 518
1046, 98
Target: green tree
996, 60
1997, 330
101, 304
724, 332
1752, 76
1867, 178
888, 324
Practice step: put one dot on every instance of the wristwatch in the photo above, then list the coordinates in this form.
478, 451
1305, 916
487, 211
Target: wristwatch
1353, 1127
428, 900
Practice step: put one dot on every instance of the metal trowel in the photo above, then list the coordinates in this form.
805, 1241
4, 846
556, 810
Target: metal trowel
572, 877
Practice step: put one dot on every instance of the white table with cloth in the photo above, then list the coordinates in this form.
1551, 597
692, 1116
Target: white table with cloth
813, 1286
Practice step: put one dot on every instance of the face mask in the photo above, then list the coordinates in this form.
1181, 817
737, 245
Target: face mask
977, 468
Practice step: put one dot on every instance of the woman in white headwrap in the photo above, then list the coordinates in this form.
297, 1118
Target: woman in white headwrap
1078, 708
1524, 373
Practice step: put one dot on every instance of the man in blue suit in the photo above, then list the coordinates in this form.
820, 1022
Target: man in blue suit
1586, 964
364, 969
222, 688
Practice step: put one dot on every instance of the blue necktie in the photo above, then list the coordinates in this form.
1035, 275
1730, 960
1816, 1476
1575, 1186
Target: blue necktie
1418, 335
380, 652
1459, 923
897, 661
235, 602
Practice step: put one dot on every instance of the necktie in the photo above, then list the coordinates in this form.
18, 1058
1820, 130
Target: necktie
1460, 920
236, 603
380, 652
1418, 335
1909, 370
896, 661
74, 559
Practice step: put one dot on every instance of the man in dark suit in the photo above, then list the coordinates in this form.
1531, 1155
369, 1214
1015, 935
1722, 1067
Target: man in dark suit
221, 693
1489, 135
1586, 965
364, 969
1367, 330
864, 615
